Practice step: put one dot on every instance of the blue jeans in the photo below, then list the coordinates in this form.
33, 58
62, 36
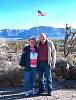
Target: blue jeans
29, 79
45, 71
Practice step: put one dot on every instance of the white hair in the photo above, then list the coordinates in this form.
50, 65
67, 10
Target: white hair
42, 34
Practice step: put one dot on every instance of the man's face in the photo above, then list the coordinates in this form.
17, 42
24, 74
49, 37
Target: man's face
42, 38
32, 43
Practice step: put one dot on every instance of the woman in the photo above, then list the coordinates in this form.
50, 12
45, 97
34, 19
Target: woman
29, 61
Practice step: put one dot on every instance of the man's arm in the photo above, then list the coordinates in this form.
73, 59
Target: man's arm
53, 53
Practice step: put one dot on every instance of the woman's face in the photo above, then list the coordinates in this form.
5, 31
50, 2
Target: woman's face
32, 43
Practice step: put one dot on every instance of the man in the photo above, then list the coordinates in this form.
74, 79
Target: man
46, 62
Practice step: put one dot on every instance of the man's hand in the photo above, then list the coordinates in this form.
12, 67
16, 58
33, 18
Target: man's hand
53, 65
22, 67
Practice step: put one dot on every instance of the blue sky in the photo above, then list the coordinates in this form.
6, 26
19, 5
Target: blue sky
22, 14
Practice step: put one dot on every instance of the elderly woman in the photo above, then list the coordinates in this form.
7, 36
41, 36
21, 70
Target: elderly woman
29, 62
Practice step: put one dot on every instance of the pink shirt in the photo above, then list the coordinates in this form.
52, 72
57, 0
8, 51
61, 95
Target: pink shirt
33, 57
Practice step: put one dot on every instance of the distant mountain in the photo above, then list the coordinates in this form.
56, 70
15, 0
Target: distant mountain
51, 32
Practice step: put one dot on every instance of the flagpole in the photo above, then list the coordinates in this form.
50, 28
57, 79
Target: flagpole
39, 13
37, 23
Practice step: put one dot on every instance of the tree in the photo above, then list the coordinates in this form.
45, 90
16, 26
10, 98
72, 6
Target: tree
70, 40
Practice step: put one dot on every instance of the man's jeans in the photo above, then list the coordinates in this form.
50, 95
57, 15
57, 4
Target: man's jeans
45, 70
29, 79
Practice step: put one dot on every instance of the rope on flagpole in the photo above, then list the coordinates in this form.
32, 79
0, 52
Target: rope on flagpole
37, 24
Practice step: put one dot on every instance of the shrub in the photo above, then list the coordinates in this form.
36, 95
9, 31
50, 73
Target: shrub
15, 76
10, 72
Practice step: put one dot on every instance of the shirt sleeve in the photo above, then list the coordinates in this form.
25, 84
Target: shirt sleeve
53, 54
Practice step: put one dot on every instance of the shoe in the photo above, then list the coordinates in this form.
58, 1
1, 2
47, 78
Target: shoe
26, 93
41, 93
49, 94
32, 92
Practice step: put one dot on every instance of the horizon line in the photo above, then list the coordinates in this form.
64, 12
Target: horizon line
28, 28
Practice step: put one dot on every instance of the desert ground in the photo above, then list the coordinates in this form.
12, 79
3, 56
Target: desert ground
60, 92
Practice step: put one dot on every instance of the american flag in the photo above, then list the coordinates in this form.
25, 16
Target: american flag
40, 13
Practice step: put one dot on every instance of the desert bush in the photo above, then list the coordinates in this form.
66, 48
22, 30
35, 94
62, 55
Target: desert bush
10, 72
73, 72
71, 59
14, 76
2, 75
65, 70
62, 69
2, 71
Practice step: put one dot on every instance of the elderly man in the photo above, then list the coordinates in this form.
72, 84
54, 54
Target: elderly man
47, 59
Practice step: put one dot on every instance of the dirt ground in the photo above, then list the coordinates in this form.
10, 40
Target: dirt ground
60, 92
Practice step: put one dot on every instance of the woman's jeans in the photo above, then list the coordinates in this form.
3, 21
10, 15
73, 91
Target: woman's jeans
45, 71
29, 79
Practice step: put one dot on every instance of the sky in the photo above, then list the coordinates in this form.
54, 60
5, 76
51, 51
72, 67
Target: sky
22, 14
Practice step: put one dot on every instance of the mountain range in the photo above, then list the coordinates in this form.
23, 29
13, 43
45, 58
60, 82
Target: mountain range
51, 32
